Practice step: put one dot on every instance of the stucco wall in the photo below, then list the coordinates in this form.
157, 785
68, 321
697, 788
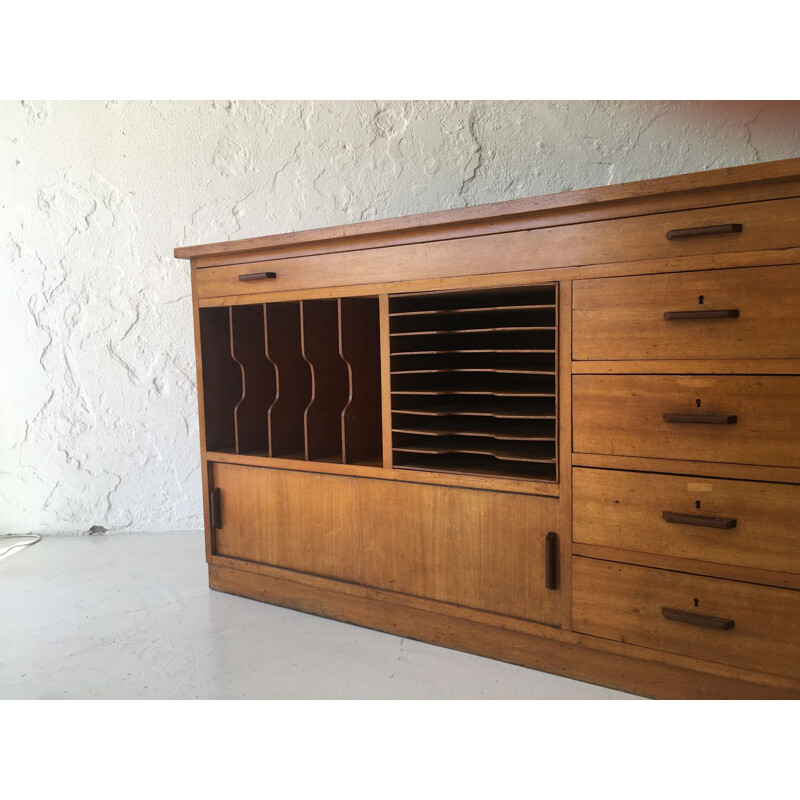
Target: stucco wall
97, 404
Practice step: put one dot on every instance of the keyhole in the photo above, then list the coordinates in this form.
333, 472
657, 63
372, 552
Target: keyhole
698, 402
697, 504
701, 299
696, 602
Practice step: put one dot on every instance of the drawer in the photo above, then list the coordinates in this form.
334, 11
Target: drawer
740, 624
480, 549
728, 313
764, 225
273, 276
741, 523
734, 419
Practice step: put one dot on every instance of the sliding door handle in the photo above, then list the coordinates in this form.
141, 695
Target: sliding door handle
551, 561
215, 507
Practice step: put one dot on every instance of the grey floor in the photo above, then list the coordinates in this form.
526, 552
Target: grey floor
131, 616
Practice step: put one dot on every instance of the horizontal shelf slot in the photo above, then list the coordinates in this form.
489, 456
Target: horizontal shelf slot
494, 413
473, 321
449, 311
498, 392
523, 328
533, 371
496, 428
541, 294
539, 452
508, 341
508, 351
477, 382
527, 408
467, 464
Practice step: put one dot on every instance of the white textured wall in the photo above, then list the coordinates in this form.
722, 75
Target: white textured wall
98, 402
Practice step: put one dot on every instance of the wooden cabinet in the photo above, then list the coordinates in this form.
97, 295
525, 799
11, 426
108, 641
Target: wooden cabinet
560, 431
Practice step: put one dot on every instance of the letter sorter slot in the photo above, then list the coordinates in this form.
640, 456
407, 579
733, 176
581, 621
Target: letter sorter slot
474, 381
297, 380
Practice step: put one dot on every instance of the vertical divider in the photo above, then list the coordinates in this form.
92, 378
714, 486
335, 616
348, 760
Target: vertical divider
222, 378
293, 379
319, 322
258, 378
359, 348
564, 421
386, 378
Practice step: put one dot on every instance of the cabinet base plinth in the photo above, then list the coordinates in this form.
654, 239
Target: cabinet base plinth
558, 652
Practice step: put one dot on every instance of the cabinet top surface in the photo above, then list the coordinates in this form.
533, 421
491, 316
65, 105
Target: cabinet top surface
443, 224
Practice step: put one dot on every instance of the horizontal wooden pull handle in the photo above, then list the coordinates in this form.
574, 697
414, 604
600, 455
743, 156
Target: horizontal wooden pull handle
258, 276
701, 620
700, 520
722, 313
707, 230
702, 419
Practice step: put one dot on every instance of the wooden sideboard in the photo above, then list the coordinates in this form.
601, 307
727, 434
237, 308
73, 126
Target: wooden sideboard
562, 432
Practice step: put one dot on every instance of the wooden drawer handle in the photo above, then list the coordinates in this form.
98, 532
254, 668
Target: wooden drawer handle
707, 230
724, 313
258, 276
702, 419
702, 521
701, 620
551, 561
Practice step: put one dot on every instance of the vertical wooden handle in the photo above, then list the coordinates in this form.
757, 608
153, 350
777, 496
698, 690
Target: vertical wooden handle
551, 561
215, 507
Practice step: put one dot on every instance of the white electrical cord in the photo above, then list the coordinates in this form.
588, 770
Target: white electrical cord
16, 544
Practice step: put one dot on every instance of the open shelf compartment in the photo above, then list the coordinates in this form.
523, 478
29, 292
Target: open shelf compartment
295, 380
474, 381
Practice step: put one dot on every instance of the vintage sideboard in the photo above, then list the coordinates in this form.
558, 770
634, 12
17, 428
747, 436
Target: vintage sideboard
562, 431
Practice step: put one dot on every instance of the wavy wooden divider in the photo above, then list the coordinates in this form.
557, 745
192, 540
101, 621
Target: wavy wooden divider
294, 379
259, 384
329, 379
293, 390
359, 348
222, 378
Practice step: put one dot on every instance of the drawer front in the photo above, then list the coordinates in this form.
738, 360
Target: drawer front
480, 549
741, 523
740, 419
765, 225
273, 276
729, 313
740, 624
